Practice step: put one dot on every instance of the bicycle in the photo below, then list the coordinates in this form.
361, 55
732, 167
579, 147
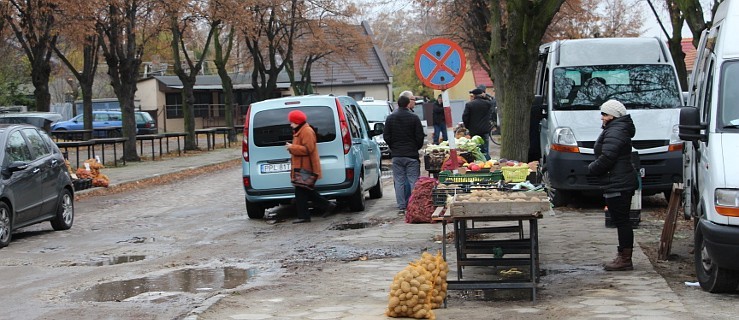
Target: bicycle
495, 131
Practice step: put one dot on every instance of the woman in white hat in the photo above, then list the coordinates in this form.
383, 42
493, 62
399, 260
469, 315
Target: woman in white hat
617, 176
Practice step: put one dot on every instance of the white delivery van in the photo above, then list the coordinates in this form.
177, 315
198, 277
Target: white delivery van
574, 77
710, 126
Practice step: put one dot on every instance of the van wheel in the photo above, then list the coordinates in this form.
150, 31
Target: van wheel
712, 278
376, 191
6, 225
356, 200
64, 212
558, 198
254, 210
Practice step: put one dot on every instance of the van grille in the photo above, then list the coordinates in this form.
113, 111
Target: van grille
637, 144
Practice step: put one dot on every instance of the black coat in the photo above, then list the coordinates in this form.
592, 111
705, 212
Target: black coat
476, 116
403, 133
612, 164
438, 115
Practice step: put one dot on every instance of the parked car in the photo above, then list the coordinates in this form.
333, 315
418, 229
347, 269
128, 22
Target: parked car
145, 124
376, 112
350, 158
35, 185
38, 119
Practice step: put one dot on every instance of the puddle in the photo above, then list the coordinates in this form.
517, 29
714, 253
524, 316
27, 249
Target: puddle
108, 261
186, 280
351, 226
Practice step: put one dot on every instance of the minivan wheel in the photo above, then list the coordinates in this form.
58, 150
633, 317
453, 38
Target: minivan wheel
558, 198
356, 200
5, 225
711, 277
376, 191
64, 212
254, 210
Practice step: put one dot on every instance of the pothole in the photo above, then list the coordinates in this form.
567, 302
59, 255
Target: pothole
351, 226
107, 261
186, 280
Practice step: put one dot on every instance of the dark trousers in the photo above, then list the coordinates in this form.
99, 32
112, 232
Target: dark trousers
302, 196
619, 208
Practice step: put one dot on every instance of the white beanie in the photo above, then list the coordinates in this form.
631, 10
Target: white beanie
614, 108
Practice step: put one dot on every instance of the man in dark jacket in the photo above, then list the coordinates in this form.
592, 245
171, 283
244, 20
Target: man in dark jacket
476, 117
404, 135
439, 121
617, 176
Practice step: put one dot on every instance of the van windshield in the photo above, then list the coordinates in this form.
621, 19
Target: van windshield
636, 86
271, 128
729, 106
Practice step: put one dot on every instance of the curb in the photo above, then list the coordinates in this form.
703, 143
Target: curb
155, 180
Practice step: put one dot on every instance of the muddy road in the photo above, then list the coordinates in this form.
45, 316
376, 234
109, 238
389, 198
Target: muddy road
187, 250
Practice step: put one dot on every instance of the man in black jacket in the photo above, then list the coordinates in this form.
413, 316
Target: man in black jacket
476, 117
404, 135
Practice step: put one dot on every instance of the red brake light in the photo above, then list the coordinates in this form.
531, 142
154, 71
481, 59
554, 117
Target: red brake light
245, 142
247, 182
346, 138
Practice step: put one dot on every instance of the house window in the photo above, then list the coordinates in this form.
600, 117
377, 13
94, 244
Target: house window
356, 95
174, 105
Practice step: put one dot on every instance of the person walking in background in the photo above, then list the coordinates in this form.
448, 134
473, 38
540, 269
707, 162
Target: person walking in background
439, 121
476, 117
404, 135
617, 177
304, 155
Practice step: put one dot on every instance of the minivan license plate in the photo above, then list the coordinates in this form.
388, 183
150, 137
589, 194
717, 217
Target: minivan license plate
275, 167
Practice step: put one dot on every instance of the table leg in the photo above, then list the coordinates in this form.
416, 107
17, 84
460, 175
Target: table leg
160, 148
115, 154
179, 150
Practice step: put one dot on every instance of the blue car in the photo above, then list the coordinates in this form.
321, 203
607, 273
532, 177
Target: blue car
145, 124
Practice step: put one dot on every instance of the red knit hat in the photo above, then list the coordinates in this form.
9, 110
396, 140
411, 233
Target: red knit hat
297, 116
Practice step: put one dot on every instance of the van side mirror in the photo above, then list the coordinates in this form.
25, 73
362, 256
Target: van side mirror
690, 126
538, 109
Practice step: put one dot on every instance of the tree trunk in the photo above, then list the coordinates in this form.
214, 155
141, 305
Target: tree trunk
188, 112
220, 61
41, 73
675, 44
86, 88
517, 28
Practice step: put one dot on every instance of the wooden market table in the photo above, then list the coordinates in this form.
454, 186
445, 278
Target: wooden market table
516, 248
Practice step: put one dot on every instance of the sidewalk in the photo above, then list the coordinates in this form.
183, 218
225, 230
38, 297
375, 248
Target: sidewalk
169, 167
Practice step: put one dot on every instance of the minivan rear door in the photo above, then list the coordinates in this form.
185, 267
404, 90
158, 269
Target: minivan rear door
270, 131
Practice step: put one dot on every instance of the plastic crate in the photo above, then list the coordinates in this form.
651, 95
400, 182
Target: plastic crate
81, 184
439, 195
433, 162
515, 174
470, 177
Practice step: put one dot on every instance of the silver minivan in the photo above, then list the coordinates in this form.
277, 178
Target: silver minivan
350, 158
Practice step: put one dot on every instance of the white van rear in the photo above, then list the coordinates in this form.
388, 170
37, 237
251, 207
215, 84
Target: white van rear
711, 128
574, 77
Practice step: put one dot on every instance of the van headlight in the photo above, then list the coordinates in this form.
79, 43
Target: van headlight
675, 143
564, 141
727, 202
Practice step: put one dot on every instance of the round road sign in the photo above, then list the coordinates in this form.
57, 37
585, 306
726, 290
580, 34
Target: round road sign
440, 63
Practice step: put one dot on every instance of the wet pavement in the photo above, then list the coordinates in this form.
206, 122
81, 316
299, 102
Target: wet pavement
573, 247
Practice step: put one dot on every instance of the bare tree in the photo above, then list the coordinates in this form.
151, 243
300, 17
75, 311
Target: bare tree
183, 18
125, 26
80, 38
33, 23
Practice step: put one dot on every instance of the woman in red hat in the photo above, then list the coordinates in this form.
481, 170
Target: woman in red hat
304, 155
